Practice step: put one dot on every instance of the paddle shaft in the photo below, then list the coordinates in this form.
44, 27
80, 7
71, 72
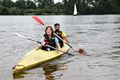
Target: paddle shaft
29, 38
64, 42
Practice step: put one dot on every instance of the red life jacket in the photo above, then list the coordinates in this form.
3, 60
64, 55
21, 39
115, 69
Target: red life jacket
50, 42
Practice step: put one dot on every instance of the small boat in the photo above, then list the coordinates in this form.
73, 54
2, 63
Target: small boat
75, 10
36, 57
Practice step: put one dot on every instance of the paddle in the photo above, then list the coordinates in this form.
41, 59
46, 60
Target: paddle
29, 38
81, 51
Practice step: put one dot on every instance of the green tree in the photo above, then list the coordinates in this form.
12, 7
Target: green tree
43, 3
4, 11
58, 8
7, 3
21, 4
115, 6
68, 6
30, 4
102, 7
15, 11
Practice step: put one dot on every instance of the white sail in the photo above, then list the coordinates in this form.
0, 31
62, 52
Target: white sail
75, 10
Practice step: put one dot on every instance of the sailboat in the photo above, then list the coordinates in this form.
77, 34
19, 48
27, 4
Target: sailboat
75, 10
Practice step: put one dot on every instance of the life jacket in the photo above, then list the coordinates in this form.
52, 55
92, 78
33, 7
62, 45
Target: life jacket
50, 42
59, 33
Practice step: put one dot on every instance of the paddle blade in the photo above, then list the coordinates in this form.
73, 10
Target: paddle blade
38, 19
82, 51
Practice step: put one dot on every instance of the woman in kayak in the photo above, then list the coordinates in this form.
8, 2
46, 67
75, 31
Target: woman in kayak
49, 39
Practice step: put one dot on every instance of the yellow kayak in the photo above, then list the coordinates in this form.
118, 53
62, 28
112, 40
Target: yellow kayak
37, 57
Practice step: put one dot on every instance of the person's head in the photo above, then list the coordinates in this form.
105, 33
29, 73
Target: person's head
49, 30
57, 27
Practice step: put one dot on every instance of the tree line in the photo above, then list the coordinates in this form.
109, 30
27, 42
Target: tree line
66, 7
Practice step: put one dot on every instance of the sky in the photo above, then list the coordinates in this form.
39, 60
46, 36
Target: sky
54, 0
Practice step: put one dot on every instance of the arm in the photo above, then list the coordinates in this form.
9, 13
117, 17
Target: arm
57, 43
65, 38
58, 46
41, 45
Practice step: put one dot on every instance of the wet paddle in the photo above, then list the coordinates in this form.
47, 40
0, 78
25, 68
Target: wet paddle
29, 38
81, 51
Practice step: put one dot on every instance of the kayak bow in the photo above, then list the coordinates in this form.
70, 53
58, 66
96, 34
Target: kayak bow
36, 57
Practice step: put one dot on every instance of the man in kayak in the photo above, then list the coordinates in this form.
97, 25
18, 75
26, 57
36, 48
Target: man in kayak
60, 34
49, 39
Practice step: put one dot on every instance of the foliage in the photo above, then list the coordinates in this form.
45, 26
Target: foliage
48, 7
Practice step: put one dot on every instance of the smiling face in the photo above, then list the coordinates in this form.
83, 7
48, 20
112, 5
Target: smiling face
48, 31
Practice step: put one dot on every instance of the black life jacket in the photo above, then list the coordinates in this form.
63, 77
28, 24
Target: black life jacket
59, 33
50, 42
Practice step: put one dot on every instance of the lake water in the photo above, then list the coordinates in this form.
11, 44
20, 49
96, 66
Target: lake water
99, 35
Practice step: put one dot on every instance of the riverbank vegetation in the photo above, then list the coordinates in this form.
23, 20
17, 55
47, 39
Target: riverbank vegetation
48, 7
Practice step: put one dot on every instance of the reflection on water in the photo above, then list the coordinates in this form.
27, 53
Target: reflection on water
99, 35
48, 70
19, 75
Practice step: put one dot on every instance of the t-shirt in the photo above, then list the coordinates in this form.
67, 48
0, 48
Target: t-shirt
64, 34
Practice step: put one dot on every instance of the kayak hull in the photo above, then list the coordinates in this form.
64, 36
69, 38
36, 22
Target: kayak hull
36, 57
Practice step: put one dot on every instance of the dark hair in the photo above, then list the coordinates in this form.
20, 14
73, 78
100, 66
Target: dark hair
57, 24
51, 30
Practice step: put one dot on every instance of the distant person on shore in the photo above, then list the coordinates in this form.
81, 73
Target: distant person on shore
60, 34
